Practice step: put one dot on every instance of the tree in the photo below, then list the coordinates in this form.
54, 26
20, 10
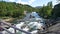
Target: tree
49, 8
56, 11
46, 11
12, 9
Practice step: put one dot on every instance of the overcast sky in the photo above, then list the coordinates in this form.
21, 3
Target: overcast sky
33, 3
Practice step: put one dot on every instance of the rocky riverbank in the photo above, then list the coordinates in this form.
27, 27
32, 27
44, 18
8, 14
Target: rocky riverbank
55, 29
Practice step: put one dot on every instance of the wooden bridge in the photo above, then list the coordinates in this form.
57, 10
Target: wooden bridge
13, 28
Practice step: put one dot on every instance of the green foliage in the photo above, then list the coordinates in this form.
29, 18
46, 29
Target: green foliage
56, 11
13, 9
45, 11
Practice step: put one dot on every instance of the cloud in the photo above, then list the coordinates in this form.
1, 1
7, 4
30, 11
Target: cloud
19, 1
31, 1
12, 0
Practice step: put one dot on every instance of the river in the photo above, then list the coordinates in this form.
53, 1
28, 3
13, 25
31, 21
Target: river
32, 22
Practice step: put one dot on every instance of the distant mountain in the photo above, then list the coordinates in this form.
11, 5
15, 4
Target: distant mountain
38, 7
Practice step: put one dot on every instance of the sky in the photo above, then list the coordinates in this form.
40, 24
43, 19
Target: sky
33, 3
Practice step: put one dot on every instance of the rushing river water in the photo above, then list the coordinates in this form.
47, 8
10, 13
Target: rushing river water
31, 23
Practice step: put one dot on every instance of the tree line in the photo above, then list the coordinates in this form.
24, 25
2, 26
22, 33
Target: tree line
12, 9
49, 11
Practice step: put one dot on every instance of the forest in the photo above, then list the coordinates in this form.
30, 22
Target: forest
12, 9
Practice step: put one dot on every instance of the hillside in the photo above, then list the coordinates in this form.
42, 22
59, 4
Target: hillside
13, 9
